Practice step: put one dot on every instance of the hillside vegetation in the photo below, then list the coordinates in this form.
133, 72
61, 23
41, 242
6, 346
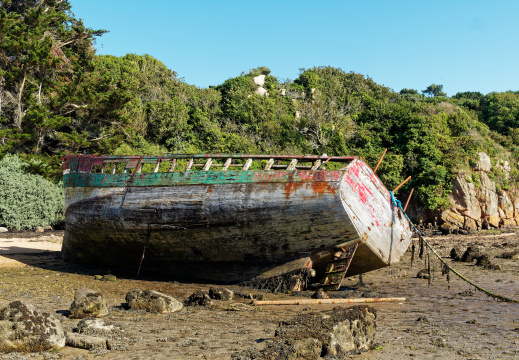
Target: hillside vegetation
58, 97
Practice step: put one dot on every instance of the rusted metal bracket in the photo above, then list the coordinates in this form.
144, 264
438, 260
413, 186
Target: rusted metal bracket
338, 268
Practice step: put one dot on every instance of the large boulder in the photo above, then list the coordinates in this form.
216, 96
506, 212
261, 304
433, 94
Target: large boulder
453, 219
506, 207
489, 200
464, 198
336, 332
24, 328
152, 301
88, 303
483, 163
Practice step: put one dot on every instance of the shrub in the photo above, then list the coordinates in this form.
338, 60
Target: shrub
27, 200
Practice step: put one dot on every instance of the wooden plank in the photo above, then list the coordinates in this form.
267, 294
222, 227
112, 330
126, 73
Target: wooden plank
207, 165
292, 165
189, 164
316, 165
157, 165
172, 165
227, 164
247, 164
269, 164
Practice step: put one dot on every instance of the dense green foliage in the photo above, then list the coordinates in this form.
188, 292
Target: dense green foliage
58, 97
27, 200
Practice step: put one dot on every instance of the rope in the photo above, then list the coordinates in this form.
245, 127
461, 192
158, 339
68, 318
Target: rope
398, 204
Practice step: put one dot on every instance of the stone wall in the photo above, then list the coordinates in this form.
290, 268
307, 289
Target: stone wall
477, 204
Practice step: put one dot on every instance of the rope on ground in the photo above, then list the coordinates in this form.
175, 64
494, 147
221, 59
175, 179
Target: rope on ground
398, 204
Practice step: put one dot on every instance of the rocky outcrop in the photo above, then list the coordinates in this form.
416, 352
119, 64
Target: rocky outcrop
333, 333
478, 204
24, 328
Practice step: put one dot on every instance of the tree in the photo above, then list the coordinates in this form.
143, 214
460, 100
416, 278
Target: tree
406, 91
52, 97
434, 90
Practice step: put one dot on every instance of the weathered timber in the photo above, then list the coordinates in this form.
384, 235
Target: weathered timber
227, 225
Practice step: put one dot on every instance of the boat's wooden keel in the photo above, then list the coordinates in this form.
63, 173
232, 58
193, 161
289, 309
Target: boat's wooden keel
337, 268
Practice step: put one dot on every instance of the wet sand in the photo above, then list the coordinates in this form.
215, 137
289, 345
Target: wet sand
438, 321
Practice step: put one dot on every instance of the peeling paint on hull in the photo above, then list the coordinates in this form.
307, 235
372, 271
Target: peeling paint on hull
230, 226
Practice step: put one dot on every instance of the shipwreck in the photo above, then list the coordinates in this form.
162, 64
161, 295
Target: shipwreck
229, 218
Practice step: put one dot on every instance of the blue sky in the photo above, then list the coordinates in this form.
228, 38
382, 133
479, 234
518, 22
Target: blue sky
464, 45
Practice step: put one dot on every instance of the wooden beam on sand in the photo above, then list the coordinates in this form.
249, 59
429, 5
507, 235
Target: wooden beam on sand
324, 301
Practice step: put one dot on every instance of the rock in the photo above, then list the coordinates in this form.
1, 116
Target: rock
24, 328
199, 298
86, 341
456, 253
3, 229
221, 293
259, 80
423, 274
249, 295
152, 301
38, 229
505, 167
464, 197
484, 261
261, 91
96, 327
448, 228
88, 303
505, 207
513, 255
339, 330
108, 277
303, 349
471, 254
422, 319
324, 334
48, 227
453, 218
320, 294
470, 224
483, 163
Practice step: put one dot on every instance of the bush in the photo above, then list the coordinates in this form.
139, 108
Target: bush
27, 200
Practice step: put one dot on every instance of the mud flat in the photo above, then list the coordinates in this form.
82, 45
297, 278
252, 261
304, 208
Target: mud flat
440, 321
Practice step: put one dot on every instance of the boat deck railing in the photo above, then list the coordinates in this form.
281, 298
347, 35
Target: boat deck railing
190, 162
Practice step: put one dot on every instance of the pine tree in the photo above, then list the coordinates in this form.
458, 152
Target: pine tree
52, 97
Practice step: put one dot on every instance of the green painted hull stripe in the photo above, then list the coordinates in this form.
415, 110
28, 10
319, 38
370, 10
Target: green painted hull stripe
198, 177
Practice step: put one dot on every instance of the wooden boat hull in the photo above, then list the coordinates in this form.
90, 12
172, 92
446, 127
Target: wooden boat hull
231, 226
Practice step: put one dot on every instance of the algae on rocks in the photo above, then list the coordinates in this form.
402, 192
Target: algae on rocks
23, 328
